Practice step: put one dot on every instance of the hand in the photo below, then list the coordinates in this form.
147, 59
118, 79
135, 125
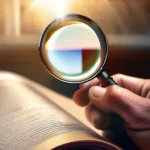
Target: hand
130, 100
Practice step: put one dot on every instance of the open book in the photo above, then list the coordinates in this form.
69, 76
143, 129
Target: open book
35, 118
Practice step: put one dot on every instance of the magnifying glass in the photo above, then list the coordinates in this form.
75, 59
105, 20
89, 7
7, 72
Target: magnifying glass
74, 50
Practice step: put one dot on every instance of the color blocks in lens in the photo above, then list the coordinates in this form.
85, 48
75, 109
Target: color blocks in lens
73, 50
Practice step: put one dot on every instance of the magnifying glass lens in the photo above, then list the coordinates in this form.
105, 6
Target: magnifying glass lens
71, 51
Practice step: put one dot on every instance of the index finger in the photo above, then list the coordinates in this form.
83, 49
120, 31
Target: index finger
80, 97
131, 83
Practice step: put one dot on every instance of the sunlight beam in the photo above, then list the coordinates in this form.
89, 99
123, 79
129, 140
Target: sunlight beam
57, 7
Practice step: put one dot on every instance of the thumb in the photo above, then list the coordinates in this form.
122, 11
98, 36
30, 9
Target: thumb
115, 99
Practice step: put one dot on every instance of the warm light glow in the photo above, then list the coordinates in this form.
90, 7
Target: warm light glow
60, 7
57, 7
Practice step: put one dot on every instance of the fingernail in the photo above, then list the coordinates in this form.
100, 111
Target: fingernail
95, 91
83, 85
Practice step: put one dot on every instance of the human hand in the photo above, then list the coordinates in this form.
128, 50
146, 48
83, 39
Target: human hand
130, 100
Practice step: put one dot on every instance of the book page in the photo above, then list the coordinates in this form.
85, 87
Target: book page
28, 118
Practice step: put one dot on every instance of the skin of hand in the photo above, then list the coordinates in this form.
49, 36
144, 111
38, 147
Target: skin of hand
130, 100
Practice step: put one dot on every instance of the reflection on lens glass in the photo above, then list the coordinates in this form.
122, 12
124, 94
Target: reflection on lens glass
73, 52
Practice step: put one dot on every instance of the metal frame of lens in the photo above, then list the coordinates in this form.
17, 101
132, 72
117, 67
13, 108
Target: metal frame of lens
72, 19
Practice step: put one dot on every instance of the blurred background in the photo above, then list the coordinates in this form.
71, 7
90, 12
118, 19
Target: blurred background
126, 24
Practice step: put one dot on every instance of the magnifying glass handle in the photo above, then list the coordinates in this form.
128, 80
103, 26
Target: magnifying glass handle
105, 79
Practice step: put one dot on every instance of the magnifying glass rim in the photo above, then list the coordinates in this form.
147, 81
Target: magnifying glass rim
93, 25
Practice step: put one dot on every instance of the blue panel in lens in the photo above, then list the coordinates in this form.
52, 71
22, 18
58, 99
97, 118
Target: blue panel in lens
66, 61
